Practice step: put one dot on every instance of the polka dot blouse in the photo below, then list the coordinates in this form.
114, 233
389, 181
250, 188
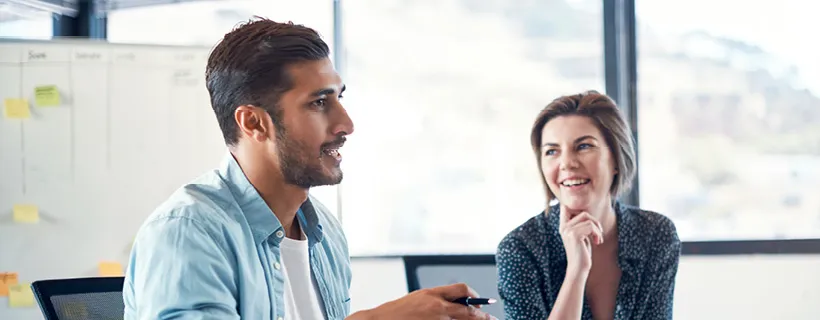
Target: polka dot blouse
532, 263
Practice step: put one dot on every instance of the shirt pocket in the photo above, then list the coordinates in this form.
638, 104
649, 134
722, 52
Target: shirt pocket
340, 307
346, 306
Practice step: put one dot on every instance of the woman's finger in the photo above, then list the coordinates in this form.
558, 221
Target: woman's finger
588, 229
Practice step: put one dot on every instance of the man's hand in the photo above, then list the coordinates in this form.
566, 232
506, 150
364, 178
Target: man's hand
433, 303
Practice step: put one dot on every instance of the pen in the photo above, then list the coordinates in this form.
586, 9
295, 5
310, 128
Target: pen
467, 301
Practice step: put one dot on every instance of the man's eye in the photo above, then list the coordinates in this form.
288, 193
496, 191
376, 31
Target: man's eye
319, 103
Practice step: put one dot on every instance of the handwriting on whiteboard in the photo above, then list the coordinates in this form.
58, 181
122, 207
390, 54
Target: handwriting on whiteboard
87, 56
185, 78
125, 56
37, 55
185, 57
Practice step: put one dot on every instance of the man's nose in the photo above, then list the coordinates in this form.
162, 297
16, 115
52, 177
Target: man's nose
343, 124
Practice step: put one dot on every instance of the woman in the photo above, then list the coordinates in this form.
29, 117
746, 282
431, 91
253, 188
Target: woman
589, 256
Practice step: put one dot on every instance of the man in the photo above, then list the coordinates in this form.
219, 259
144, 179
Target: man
247, 240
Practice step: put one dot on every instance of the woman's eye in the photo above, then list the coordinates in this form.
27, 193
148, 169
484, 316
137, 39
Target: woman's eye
584, 146
550, 152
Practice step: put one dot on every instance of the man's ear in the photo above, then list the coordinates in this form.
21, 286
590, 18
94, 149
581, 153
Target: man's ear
252, 122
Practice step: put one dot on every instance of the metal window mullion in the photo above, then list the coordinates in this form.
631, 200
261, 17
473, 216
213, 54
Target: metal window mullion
621, 72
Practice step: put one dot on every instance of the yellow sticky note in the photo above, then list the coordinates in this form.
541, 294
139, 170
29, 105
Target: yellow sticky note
20, 295
46, 96
16, 109
26, 213
110, 269
7, 279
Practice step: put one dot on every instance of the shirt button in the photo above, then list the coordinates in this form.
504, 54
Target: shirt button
280, 234
277, 265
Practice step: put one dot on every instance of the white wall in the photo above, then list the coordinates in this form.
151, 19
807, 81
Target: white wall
725, 287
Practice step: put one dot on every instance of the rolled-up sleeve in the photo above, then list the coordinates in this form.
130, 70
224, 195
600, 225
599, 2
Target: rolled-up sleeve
181, 268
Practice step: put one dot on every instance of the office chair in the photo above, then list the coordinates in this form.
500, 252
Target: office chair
80, 298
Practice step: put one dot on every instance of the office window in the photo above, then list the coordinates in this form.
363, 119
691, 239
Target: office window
730, 140
205, 22
443, 95
36, 26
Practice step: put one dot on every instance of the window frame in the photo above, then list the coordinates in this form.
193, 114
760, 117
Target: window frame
621, 72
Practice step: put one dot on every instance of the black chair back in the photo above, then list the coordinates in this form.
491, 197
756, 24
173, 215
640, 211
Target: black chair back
80, 298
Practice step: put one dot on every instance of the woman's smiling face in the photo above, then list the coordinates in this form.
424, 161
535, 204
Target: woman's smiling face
576, 162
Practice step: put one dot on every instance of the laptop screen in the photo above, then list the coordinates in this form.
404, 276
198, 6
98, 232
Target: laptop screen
481, 277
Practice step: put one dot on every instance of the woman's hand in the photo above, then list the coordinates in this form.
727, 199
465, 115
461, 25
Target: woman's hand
579, 231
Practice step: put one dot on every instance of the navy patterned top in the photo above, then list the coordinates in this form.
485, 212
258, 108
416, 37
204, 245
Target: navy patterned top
532, 264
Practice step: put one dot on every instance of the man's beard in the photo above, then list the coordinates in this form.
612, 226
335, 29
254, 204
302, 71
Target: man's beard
298, 167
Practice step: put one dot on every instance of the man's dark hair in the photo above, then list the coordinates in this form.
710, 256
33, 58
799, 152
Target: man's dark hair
249, 67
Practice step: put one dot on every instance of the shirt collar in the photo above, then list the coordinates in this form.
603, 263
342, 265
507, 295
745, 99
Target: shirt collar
309, 220
262, 221
631, 244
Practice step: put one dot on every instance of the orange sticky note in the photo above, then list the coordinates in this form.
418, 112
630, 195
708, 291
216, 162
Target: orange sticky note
26, 213
16, 109
7, 279
110, 269
20, 295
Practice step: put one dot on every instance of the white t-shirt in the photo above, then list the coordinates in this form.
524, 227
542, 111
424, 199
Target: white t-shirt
302, 298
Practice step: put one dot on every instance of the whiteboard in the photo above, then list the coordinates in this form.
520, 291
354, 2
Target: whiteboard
133, 124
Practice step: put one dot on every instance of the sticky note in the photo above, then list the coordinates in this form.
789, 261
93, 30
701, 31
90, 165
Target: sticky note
20, 295
16, 109
7, 279
110, 269
46, 96
26, 213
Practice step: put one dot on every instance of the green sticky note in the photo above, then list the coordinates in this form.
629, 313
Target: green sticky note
46, 96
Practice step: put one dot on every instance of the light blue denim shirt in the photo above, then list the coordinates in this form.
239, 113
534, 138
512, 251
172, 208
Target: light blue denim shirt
211, 251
